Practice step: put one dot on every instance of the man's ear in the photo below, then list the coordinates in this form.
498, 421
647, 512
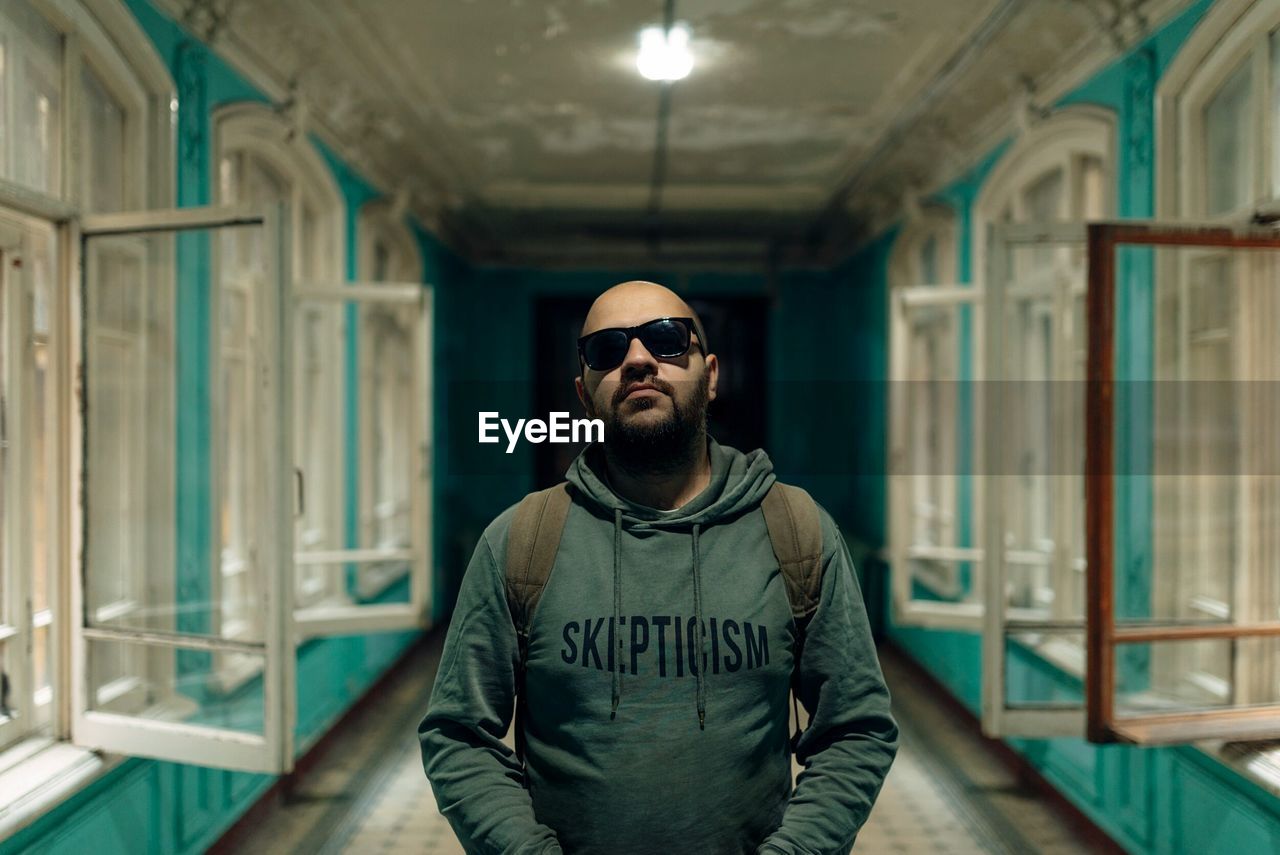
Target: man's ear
581, 389
713, 375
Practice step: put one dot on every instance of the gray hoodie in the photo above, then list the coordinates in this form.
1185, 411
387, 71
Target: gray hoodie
657, 754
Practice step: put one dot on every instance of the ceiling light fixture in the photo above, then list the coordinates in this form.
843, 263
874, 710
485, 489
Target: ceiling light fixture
665, 55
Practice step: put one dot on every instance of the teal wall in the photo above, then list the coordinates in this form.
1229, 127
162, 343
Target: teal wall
1176, 799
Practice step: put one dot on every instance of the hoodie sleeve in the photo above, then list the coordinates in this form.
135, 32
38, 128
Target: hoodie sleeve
476, 778
850, 742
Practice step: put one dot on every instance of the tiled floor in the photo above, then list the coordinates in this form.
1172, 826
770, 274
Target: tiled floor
946, 792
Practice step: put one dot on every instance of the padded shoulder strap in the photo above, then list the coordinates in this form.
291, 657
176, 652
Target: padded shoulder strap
532, 542
796, 533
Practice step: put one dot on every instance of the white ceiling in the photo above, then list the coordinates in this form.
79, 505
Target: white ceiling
523, 131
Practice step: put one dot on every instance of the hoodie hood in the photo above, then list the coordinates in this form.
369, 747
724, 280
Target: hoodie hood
738, 484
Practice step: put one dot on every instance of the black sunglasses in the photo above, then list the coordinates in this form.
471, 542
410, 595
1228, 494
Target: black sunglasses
665, 338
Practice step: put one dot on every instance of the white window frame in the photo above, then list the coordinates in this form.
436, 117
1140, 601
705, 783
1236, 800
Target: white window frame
1060, 141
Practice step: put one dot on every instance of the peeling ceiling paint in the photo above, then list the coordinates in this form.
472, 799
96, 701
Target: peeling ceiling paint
786, 96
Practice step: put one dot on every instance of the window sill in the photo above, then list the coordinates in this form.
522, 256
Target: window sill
48, 774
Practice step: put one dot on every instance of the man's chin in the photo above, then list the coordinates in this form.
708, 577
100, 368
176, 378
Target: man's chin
653, 420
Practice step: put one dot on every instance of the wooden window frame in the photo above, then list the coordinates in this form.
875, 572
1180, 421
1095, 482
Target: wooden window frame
1104, 633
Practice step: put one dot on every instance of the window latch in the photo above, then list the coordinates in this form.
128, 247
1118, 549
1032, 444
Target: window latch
302, 491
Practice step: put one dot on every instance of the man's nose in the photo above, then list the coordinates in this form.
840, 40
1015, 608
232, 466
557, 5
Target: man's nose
638, 356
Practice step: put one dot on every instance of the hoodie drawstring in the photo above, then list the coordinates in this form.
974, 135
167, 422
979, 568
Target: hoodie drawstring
702, 633
617, 609
701, 668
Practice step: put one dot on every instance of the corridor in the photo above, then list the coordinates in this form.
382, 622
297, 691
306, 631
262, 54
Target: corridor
948, 791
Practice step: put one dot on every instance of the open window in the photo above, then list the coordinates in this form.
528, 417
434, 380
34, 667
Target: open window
1185, 646
154, 640
386, 571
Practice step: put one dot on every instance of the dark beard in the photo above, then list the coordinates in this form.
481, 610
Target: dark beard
669, 446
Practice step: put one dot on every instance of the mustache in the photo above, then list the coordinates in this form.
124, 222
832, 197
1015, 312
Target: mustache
626, 388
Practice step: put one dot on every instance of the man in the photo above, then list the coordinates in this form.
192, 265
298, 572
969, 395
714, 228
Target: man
666, 536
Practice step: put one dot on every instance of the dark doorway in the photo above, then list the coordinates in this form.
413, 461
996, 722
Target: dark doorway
737, 330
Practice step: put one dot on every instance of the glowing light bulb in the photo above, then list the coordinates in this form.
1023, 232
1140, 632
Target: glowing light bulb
665, 55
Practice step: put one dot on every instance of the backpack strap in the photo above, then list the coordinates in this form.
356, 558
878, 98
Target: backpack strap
795, 530
796, 533
532, 543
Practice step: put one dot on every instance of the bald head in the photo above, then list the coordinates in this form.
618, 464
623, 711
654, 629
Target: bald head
654, 408
630, 303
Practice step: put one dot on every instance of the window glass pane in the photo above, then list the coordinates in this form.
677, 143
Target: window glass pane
1229, 149
39, 267
1029, 495
393, 395
1198, 498
176, 686
103, 145
6, 76
8, 703
1043, 202
1043, 669
1216, 486
933, 492
7, 426
309, 244
27, 432
1275, 115
240, 549
136, 577
388, 399
1040, 465
317, 336
1195, 675
33, 72
1043, 198
929, 261
43, 688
